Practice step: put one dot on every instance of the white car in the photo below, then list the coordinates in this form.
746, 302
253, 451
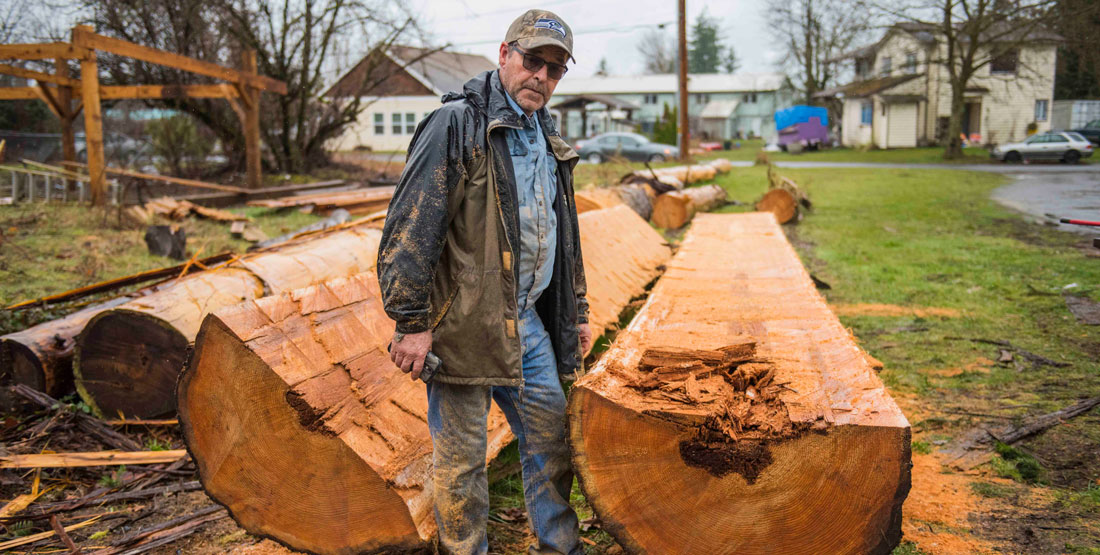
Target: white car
1066, 146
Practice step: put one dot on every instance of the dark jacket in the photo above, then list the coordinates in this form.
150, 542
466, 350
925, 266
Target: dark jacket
448, 257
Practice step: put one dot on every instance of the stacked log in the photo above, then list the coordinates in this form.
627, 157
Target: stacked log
784, 198
755, 422
680, 176
129, 357
638, 197
363, 201
675, 209
325, 446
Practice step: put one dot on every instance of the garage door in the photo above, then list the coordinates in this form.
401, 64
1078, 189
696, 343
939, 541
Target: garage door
901, 125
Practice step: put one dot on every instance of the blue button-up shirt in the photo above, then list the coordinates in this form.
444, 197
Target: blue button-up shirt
536, 185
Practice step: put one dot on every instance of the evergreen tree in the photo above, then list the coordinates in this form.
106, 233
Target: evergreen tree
664, 131
705, 50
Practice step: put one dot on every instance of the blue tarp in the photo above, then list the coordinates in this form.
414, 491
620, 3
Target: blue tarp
800, 114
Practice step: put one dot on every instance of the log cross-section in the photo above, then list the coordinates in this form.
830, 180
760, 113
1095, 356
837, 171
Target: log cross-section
737, 415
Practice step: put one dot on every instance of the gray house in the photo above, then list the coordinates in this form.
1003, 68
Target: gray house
720, 106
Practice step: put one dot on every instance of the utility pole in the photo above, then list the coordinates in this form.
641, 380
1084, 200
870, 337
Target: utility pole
685, 133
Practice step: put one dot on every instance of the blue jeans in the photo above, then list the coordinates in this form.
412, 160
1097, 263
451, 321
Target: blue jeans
457, 416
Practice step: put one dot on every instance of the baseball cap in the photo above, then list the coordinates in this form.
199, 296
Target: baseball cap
537, 28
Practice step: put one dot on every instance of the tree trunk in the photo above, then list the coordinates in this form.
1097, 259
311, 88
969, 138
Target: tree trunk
736, 413
638, 197
128, 358
675, 209
953, 146
302, 427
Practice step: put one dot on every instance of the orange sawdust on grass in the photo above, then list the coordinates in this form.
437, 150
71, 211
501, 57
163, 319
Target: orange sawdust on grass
893, 310
980, 364
935, 514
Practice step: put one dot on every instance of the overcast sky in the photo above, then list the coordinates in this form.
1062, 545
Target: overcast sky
608, 28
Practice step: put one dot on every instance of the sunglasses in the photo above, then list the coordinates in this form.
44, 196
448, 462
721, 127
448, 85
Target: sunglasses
534, 63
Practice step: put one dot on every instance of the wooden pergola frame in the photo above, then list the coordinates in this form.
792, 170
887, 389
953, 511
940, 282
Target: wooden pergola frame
59, 91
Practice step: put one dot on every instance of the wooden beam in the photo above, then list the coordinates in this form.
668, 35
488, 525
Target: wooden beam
93, 121
41, 51
154, 56
36, 172
46, 95
251, 123
37, 75
99, 458
168, 91
18, 93
65, 98
242, 117
167, 179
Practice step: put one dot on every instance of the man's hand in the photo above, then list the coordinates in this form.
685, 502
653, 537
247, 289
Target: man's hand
585, 336
407, 351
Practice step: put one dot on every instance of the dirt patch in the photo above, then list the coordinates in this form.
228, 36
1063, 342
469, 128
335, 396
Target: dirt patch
935, 515
893, 311
980, 365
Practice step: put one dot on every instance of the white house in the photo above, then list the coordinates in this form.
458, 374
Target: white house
400, 86
902, 94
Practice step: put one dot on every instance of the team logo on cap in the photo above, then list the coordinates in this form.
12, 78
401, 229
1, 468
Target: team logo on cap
551, 24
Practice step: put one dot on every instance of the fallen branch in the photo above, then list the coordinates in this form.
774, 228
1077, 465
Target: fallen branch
61, 533
97, 497
44, 535
1035, 359
96, 458
89, 424
165, 532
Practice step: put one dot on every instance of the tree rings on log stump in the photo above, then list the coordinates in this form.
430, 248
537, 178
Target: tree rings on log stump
781, 203
755, 424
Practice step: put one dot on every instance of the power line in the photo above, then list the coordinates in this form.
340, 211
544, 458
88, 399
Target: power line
609, 29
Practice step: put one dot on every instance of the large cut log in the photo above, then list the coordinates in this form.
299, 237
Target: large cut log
362, 201
301, 426
674, 209
622, 254
638, 197
128, 358
737, 415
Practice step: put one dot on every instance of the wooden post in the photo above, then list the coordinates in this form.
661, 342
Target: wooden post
251, 104
65, 99
685, 133
93, 118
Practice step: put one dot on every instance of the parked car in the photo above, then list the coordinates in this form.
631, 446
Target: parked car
631, 146
1090, 131
1066, 146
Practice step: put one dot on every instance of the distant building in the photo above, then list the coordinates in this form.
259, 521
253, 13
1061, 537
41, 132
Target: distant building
401, 86
902, 98
720, 106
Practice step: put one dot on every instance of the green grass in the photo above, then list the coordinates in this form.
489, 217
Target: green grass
922, 447
51, 248
990, 489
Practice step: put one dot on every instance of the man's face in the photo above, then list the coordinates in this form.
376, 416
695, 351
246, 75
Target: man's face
530, 89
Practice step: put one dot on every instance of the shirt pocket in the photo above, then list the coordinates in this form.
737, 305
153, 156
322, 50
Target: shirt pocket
517, 148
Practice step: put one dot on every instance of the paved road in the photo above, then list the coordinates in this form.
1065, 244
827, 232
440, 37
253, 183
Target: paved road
1067, 191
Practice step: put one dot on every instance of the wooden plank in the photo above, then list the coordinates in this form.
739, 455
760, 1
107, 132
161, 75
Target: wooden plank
95, 458
93, 121
18, 93
167, 179
33, 538
251, 123
154, 56
41, 51
38, 75
46, 96
112, 284
168, 91
37, 172
164, 422
65, 98
51, 168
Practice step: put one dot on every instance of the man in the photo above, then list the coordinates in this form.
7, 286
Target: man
480, 264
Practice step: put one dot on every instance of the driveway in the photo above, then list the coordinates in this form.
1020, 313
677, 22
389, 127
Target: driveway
1065, 191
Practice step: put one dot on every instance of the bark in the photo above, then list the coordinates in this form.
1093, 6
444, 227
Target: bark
675, 209
128, 358
302, 427
755, 423
638, 197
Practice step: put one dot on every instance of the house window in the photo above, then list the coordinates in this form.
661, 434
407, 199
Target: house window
863, 67
911, 62
1040, 110
701, 98
397, 127
865, 113
887, 65
650, 99
748, 98
1005, 63
410, 123
379, 124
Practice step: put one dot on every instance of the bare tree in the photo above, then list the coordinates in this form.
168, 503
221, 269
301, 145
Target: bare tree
1078, 21
970, 35
658, 52
813, 34
301, 42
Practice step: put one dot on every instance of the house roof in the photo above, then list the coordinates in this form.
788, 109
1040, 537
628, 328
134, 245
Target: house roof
868, 87
579, 101
667, 83
722, 109
441, 71
927, 33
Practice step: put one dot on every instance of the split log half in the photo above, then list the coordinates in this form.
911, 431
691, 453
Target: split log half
596, 198
302, 427
622, 254
128, 358
737, 415
675, 209
638, 196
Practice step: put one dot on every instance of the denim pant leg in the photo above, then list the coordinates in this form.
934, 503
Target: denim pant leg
537, 417
457, 419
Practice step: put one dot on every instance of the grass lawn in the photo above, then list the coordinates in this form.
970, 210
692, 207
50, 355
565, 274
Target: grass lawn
933, 239
51, 248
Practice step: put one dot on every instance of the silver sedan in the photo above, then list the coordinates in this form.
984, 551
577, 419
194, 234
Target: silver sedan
1066, 146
